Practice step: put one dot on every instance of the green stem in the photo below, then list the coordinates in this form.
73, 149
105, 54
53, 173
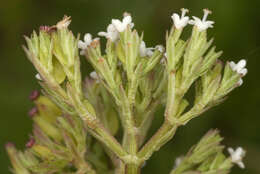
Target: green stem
130, 138
132, 169
112, 144
162, 136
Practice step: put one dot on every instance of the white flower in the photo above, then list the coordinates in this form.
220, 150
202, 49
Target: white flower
111, 33
38, 76
178, 161
237, 156
160, 48
148, 52
239, 68
202, 24
94, 76
121, 26
83, 45
145, 51
180, 22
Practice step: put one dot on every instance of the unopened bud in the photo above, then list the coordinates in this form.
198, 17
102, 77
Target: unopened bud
30, 143
34, 95
33, 112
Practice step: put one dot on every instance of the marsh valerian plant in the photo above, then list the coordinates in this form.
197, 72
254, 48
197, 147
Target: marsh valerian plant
100, 124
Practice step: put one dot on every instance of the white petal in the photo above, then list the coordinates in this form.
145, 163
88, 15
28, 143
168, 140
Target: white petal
81, 45
240, 82
93, 75
149, 52
160, 48
88, 38
37, 76
241, 63
175, 17
241, 164
127, 20
243, 71
102, 34
142, 49
230, 150
232, 65
118, 25
111, 28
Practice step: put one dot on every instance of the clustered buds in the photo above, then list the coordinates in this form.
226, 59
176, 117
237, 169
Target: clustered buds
208, 157
78, 124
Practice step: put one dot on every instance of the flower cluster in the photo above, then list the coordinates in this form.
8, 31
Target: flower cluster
202, 24
79, 124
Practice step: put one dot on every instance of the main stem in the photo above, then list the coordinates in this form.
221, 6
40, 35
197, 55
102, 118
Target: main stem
132, 169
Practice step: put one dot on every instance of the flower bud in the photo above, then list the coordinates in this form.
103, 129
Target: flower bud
207, 146
34, 95
18, 166
47, 109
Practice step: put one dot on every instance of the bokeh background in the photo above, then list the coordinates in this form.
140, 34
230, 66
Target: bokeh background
236, 32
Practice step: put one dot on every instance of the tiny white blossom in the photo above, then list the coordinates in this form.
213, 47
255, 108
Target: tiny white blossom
240, 82
38, 76
94, 76
83, 45
164, 59
178, 161
239, 68
237, 156
148, 52
180, 21
122, 25
145, 51
202, 24
160, 48
111, 33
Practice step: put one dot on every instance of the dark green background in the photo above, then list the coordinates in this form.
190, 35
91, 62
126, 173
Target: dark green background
236, 32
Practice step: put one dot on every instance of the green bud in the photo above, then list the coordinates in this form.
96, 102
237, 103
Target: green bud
47, 109
174, 49
130, 42
43, 152
47, 127
18, 167
229, 82
112, 121
207, 146
41, 47
208, 86
28, 159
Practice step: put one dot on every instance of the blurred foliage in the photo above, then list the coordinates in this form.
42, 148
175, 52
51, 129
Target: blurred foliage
236, 33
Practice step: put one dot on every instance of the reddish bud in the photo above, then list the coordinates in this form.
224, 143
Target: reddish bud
48, 29
33, 112
34, 95
9, 144
30, 143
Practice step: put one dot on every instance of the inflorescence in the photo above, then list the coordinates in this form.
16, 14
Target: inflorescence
77, 123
